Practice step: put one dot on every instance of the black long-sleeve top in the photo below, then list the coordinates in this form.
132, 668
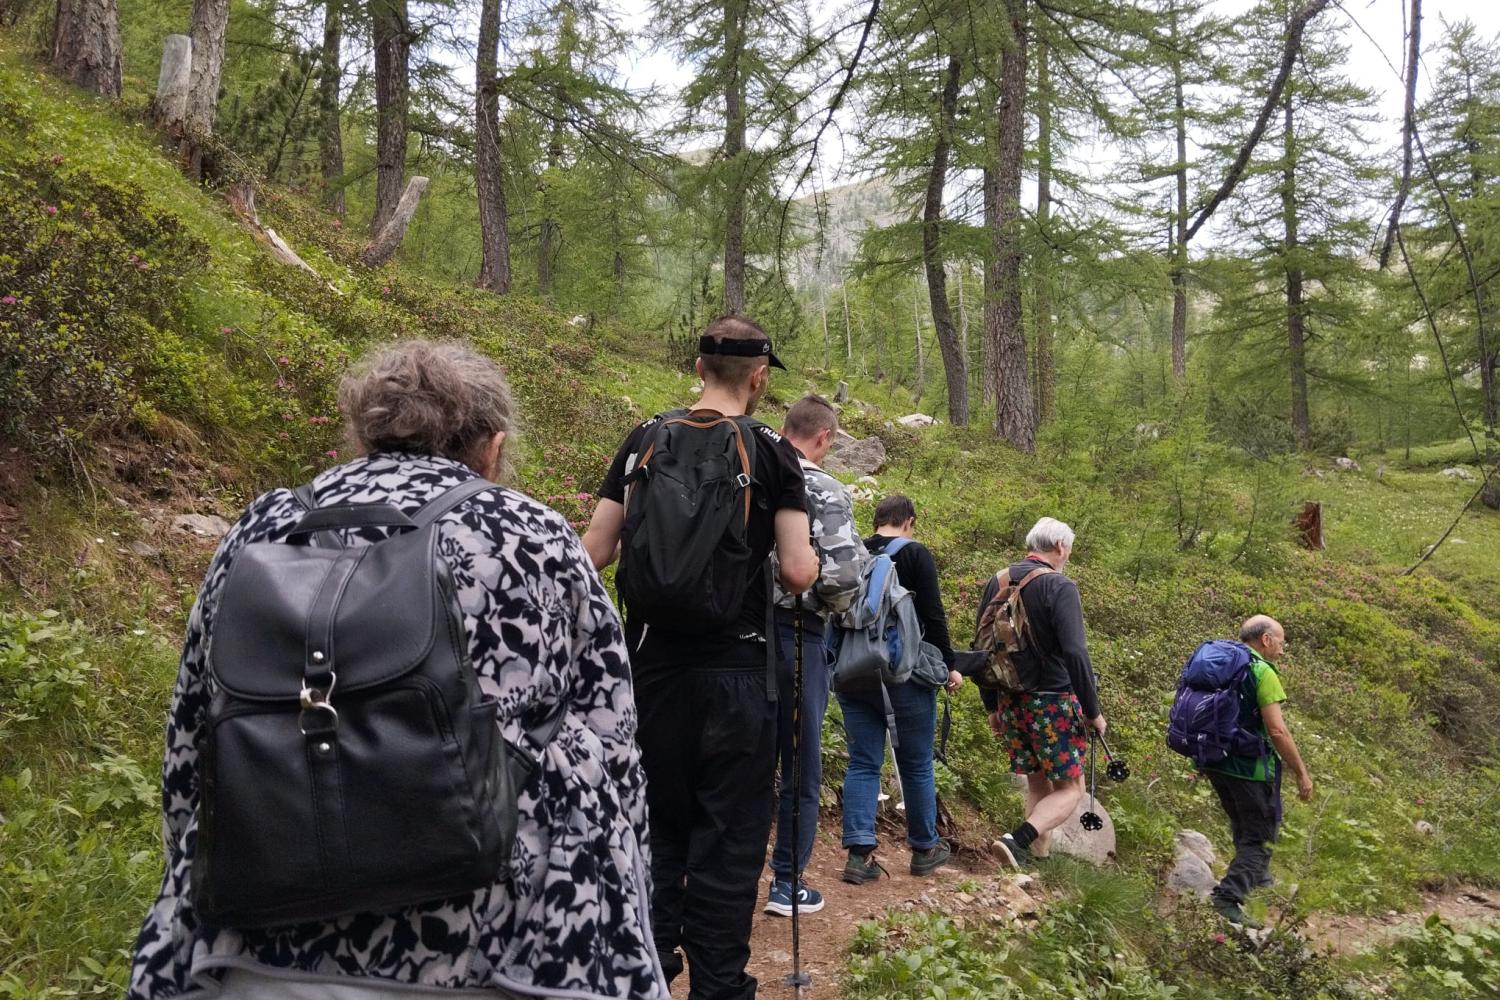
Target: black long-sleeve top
917, 571
1056, 656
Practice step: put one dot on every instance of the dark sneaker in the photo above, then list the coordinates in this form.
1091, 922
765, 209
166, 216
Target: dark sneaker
928, 861
1236, 916
809, 900
1014, 854
861, 868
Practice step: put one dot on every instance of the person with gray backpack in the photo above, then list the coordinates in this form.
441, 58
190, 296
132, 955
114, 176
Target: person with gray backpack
890, 655
400, 754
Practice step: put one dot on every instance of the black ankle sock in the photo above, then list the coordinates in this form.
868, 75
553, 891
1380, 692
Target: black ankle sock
1024, 835
862, 850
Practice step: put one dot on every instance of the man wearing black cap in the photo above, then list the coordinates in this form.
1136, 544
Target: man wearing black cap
707, 721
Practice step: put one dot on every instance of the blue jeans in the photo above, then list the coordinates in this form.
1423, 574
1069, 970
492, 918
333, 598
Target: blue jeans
864, 723
814, 705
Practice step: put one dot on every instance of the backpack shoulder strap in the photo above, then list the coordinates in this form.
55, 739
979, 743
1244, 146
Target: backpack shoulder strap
305, 496
449, 499
1039, 571
896, 545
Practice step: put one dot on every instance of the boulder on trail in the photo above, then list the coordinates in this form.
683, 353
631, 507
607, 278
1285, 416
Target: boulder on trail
861, 456
916, 420
1097, 847
1192, 866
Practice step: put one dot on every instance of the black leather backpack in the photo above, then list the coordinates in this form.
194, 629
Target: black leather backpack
351, 763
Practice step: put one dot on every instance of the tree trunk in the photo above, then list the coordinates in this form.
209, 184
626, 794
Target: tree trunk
494, 234
384, 246
546, 251
172, 82
1408, 127
1179, 242
210, 22
392, 85
1295, 332
823, 312
734, 157
848, 330
1046, 377
86, 44
1015, 420
330, 127
955, 368
916, 316
989, 375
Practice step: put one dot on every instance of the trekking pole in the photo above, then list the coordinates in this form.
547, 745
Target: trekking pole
1091, 821
796, 978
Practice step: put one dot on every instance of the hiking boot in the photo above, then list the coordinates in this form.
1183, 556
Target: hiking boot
1237, 917
861, 867
809, 900
928, 861
1014, 854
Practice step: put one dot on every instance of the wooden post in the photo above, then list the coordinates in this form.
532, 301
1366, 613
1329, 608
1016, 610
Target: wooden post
171, 101
384, 246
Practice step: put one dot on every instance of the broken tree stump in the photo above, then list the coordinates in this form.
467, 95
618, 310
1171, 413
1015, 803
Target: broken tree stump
1309, 524
384, 246
170, 104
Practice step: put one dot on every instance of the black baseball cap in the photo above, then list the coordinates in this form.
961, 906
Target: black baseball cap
757, 348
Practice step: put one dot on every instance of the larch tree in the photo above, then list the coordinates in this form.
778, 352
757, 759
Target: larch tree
210, 22
330, 123
392, 35
86, 44
489, 173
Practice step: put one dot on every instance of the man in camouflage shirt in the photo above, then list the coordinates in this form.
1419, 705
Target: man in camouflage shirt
810, 426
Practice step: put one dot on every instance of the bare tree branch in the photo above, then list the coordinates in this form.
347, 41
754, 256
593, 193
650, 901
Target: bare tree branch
1294, 30
1408, 127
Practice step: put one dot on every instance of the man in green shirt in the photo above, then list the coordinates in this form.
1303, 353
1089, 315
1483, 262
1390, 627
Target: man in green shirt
1250, 787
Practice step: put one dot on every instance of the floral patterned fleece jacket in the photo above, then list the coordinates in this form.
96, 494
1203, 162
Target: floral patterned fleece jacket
570, 918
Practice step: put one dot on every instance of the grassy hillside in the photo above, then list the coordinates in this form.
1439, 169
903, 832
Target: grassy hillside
159, 364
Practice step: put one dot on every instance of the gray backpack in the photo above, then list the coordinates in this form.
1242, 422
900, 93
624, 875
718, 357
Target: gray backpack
878, 641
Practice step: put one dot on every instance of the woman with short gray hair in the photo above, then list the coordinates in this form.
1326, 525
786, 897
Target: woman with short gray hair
568, 914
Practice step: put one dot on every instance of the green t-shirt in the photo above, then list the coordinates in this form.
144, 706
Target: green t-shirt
1262, 688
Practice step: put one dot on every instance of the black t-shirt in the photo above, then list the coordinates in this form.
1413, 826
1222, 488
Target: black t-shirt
917, 571
1056, 656
778, 486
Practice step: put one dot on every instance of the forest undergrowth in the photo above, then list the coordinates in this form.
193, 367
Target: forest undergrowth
160, 364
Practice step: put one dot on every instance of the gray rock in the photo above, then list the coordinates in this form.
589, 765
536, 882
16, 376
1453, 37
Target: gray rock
916, 420
862, 457
202, 525
1195, 843
1425, 828
1190, 875
1096, 847
841, 394
1346, 465
144, 549
1457, 472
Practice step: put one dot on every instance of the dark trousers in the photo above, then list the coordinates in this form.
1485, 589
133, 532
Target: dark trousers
1253, 822
708, 747
814, 705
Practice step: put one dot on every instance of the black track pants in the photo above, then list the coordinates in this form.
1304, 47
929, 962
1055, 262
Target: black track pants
1253, 821
708, 746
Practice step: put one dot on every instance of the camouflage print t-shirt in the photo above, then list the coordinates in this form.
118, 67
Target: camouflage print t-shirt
841, 552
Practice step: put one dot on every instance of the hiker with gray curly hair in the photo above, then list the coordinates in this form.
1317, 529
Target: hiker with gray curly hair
1045, 727
532, 640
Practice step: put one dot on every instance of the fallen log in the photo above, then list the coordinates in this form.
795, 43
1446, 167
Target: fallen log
384, 246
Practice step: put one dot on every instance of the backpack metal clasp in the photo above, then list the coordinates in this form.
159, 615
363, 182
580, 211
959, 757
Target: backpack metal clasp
317, 700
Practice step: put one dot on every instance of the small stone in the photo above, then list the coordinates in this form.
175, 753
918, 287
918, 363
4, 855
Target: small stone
964, 898
202, 525
1195, 843
1425, 828
916, 420
863, 456
144, 550
1458, 472
1346, 464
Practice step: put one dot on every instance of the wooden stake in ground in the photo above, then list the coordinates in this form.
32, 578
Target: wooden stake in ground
384, 246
